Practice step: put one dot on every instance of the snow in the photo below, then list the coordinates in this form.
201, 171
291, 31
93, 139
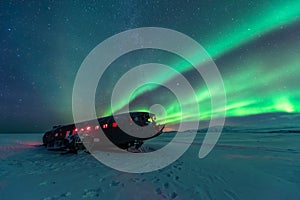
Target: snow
243, 165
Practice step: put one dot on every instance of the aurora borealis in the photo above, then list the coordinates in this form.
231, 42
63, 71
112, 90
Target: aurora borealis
255, 46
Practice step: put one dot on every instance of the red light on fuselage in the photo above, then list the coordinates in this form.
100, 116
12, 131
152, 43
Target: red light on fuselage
114, 124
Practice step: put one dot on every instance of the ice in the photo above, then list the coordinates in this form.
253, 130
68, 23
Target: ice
245, 164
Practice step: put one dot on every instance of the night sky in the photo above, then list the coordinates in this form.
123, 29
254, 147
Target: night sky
255, 45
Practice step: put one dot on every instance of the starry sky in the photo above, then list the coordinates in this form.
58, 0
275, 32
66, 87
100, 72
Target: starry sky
255, 45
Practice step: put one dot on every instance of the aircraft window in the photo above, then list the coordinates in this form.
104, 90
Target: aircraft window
150, 120
114, 124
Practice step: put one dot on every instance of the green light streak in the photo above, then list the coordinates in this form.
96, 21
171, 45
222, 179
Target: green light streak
249, 91
255, 27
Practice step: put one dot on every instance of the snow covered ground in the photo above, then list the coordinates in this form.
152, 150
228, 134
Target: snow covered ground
243, 165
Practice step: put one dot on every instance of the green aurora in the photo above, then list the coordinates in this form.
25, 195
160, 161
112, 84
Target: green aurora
255, 89
255, 45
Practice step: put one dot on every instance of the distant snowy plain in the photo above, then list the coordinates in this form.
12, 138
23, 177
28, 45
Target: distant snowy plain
245, 164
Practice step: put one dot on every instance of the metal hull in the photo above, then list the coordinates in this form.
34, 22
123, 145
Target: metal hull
91, 133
